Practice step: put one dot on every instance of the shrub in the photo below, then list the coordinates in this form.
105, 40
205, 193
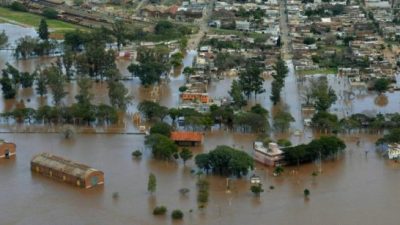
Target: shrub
177, 214
284, 143
160, 210
137, 154
50, 13
17, 6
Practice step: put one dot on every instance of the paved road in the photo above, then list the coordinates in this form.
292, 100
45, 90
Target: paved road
203, 26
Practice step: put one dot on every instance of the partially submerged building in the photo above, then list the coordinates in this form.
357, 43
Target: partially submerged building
187, 138
7, 149
271, 156
67, 171
393, 151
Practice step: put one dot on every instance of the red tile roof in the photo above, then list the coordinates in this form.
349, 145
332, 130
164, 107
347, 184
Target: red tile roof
186, 136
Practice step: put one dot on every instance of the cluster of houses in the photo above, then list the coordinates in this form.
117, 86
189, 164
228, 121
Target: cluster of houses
249, 16
357, 38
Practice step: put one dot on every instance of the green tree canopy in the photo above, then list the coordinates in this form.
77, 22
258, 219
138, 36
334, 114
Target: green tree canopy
226, 161
162, 147
161, 128
43, 30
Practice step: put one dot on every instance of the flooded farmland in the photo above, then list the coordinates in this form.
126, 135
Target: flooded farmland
356, 188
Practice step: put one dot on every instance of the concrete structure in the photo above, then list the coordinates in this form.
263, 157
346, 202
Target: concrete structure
394, 151
7, 149
67, 171
271, 156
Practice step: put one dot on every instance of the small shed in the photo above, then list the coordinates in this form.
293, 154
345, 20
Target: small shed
7, 149
187, 137
67, 171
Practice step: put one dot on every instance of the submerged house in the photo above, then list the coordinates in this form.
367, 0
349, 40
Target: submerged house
7, 149
393, 151
67, 171
187, 138
271, 156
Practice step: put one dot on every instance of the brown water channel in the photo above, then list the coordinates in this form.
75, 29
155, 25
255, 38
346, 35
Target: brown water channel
357, 188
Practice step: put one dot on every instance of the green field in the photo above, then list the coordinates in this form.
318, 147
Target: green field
33, 20
317, 71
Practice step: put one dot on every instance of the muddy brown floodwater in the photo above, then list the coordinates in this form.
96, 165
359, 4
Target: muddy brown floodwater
356, 188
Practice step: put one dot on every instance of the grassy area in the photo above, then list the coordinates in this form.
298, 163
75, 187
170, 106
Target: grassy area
33, 20
317, 71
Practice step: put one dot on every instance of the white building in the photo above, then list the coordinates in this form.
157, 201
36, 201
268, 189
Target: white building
394, 151
270, 156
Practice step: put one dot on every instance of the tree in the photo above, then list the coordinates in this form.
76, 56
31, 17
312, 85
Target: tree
74, 39
187, 71
325, 120
152, 110
43, 31
177, 214
152, 183
185, 155
27, 79
3, 39
25, 47
68, 61
393, 136
281, 71
257, 189
119, 95
236, 94
50, 13
56, 82
84, 96
41, 81
282, 120
381, 85
203, 162
250, 121
162, 147
323, 95
227, 161
176, 59
152, 64
119, 32
161, 128
258, 109
324, 147
8, 88
251, 81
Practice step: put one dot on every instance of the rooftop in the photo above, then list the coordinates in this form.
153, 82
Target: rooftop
186, 136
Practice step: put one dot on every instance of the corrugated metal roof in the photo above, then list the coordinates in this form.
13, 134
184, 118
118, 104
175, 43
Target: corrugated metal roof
61, 164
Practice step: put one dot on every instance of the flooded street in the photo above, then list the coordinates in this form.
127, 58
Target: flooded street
356, 188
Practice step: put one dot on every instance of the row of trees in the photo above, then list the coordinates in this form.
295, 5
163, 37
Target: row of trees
323, 148
254, 120
74, 114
